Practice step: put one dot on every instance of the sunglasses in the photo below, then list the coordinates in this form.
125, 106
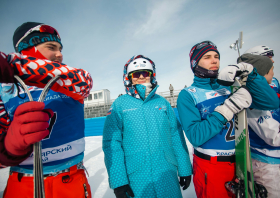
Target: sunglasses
201, 45
137, 74
270, 53
40, 28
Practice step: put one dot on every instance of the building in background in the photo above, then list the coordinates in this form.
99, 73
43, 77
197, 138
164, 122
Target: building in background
97, 103
99, 97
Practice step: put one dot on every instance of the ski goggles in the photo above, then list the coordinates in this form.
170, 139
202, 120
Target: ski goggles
144, 73
201, 45
270, 53
40, 28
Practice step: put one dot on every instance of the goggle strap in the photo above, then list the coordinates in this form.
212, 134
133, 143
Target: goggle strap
32, 30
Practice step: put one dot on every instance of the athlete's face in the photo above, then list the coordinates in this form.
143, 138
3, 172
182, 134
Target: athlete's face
141, 80
51, 50
210, 61
271, 58
269, 75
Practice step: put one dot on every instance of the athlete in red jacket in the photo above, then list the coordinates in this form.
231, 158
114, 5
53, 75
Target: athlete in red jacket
39, 58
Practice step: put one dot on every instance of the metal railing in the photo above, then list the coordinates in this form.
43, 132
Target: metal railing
168, 93
96, 104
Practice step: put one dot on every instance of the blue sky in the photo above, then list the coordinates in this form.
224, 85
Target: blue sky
100, 36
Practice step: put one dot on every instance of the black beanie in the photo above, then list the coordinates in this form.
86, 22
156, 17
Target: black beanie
262, 63
199, 49
33, 38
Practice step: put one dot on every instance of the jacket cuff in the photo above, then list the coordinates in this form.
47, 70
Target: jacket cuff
9, 159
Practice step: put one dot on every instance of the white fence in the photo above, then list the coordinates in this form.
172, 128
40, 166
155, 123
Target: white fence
97, 104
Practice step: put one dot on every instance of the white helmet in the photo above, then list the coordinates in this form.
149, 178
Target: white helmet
139, 64
260, 50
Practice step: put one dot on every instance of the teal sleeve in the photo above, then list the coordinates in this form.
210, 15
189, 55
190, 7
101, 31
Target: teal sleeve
112, 147
263, 97
179, 145
197, 131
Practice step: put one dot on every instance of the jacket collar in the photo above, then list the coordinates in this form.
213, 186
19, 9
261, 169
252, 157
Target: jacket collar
141, 90
205, 83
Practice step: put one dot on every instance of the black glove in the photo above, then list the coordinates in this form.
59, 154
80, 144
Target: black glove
121, 191
6, 70
185, 182
236, 188
260, 191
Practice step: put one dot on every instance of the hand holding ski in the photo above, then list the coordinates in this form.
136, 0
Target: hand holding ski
227, 76
244, 172
30, 125
239, 100
39, 191
244, 181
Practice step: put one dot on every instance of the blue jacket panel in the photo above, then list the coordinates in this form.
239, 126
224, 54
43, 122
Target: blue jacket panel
199, 131
206, 101
143, 139
65, 145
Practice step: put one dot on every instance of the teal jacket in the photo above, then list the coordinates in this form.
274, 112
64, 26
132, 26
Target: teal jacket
199, 131
144, 146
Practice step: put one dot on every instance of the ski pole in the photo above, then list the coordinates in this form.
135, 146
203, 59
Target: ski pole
39, 190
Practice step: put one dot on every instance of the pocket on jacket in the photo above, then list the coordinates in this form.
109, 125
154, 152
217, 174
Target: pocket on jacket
170, 157
134, 162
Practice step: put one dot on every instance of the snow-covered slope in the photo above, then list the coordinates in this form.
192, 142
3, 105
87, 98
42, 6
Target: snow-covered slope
98, 178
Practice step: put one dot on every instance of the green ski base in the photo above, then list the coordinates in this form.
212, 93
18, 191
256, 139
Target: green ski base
244, 169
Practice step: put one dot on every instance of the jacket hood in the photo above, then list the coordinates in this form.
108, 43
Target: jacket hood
131, 89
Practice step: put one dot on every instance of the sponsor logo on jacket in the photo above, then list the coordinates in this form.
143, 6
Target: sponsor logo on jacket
54, 152
225, 153
161, 108
205, 110
261, 119
133, 109
193, 90
30, 88
110, 111
275, 112
216, 93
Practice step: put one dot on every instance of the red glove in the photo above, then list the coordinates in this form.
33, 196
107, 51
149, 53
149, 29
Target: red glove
30, 125
6, 70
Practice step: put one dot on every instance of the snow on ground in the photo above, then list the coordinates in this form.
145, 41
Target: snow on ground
98, 178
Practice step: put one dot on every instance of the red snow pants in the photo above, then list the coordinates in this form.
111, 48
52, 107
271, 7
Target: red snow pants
210, 176
71, 184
